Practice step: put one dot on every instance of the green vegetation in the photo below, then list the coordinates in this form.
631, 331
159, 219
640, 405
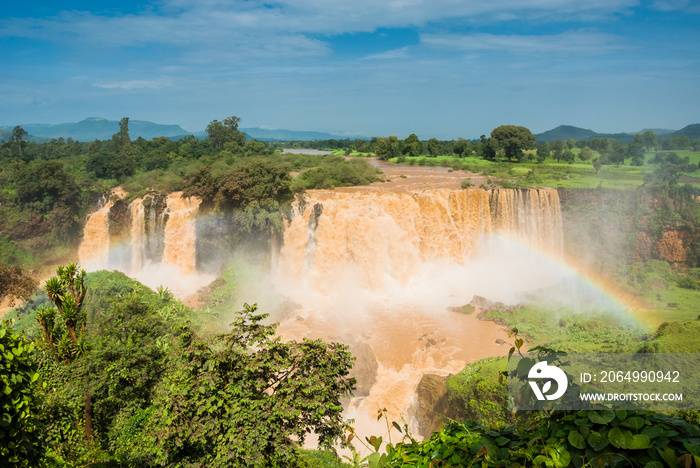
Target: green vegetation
571, 331
476, 393
123, 378
584, 438
511, 140
20, 398
335, 171
48, 189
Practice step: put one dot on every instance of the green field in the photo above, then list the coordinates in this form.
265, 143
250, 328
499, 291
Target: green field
556, 174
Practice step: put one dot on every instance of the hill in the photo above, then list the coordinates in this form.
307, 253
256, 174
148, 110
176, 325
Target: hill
264, 134
691, 131
566, 132
96, 128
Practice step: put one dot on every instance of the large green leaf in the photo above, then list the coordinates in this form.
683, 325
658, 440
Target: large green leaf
601, 417
597, 441
619, 439
639, 442
577, 440
652, 431
633, 423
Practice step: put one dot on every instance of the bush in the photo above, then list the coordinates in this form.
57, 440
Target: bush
20, 433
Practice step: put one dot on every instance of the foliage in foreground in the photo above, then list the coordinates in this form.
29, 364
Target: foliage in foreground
248, 398
160, 394
583, 438
19, 399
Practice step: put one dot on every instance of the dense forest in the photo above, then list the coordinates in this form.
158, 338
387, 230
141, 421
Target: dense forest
99, 370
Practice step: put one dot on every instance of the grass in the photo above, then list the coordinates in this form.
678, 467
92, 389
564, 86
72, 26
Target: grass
672, 295
675, 337
476, 393
572, 332
556, 174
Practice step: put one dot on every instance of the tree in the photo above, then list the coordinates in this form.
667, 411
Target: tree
568, 156
461, 147
128, 330
254, 148
485, 149
66, 339
544, 149
676, 142
600, 145
585, 154
387, 148
109, 165
248, 399
434, 147
43, 185
20, 435
650, 140
512, 140
18, 140
618, 152
558, 149
220, 133
121, 139
412, 145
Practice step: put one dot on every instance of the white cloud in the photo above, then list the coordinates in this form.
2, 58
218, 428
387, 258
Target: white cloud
393, 54
574, 42
238, 21
131, 84
674, 5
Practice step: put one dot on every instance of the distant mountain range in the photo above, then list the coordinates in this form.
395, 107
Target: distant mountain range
96, 128
566, 132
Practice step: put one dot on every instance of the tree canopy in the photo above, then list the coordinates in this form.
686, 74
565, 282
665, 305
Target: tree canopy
512, 140
220, 133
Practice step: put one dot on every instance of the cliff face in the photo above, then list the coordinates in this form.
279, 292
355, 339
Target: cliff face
604, 226
673, 246
431, 404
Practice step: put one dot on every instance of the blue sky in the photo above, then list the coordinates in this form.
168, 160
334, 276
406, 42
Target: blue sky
444, 68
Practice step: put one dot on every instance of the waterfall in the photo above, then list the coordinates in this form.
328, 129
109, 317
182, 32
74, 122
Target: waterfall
385, 265
388, 236
375, 267
138, 234
180, 238
159, 245
94, 248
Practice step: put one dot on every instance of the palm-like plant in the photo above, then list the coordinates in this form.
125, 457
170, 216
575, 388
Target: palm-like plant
66, 348
46, 318
67, 291
55, 291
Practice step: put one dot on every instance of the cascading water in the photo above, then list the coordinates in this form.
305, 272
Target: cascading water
385, 266
160, 249
138, 234
387, 237
180, 239
94, 249
371, 267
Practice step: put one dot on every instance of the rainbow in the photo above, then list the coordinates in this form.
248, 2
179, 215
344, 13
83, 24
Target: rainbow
604, 294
